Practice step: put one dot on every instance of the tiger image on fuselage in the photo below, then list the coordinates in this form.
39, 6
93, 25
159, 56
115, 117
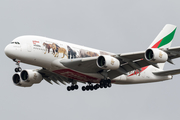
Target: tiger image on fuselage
47, 46
57, 50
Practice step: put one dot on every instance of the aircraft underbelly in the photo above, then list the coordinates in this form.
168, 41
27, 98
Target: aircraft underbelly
93, 78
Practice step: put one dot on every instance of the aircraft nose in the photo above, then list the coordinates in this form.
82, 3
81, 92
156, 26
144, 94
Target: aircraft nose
8, 51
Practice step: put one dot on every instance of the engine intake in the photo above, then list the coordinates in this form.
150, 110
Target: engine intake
27, 78
31, 76
107, 62
155, 55
19, 82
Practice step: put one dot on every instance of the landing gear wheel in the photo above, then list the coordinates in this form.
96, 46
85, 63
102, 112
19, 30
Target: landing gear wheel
72, 87
91, 87
19, 69
87, 87
101, 82
16, 70
83, 88
105, 85
97, 86
76, 87
108, 81
68, 88
101, 86
109, 85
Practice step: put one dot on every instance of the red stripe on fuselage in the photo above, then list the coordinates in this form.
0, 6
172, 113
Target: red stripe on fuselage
76, 75
138, 72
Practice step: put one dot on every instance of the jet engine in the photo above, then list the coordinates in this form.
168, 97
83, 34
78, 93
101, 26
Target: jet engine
19, 82
27, 78
107, 62
155, 55
31, 76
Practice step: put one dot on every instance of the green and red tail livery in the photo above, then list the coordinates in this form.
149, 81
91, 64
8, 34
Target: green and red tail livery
164, 38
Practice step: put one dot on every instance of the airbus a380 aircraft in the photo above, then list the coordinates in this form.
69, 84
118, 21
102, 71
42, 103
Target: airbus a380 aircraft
64, 62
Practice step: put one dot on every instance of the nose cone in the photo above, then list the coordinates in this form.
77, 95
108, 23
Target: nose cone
8, 51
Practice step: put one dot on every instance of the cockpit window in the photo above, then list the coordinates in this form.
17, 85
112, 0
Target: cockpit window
15, 43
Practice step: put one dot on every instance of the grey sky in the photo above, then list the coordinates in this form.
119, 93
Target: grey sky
117, 26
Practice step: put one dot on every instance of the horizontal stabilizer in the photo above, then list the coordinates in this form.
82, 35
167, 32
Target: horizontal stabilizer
168, 72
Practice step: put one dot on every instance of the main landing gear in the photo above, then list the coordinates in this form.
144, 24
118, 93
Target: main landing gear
102, 84
90, 87
72, 87
18, 69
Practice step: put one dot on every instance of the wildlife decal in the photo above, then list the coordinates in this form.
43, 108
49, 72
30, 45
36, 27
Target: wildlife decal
55, 49
68, 51
71, 53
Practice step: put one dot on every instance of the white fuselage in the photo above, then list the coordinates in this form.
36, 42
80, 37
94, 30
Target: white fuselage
45, 52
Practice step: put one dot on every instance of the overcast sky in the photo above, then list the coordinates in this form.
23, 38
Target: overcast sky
117, 26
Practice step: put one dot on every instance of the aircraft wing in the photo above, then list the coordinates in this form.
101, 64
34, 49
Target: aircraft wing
86, 65
50, 76
129, 62
173, 52
131, 56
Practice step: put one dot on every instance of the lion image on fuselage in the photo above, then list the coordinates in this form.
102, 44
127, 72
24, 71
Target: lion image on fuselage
47, 46
57, 50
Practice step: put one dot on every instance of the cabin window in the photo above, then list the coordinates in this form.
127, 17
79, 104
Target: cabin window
15, 43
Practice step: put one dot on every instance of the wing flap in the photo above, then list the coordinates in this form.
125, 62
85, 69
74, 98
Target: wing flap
50, 76
127, 67
168, 72
173, 52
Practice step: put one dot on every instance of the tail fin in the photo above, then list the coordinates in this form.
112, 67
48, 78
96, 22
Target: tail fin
164, 39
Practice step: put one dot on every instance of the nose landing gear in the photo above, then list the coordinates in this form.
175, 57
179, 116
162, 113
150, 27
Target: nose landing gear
18, 69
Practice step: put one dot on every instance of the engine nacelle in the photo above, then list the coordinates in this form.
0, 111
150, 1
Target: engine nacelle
107, 62
155, 55
19, 82
31, 76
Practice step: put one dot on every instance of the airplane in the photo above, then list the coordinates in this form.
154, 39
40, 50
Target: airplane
62, 62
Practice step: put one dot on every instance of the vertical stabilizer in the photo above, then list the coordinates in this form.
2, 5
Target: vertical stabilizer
164, 39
